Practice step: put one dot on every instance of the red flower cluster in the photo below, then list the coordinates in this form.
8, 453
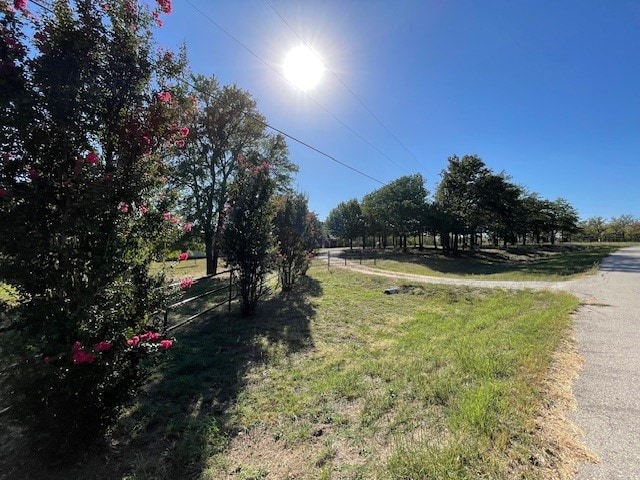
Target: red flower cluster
165, 97
165, 6
147, 337
183, 256
80, 356
186, 283
92, 158
20, 4
103, 346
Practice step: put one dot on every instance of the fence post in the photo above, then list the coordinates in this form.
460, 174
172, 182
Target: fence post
328, 260
230, 287
345, 257
361, 255
166, 319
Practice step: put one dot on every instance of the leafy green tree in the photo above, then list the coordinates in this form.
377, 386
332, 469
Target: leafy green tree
460, 194
346, 221
294, 230
227, 124
83, 135
398, 207
594, 228
248, 241
621, 226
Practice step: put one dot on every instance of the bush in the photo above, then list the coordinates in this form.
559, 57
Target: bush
84, 135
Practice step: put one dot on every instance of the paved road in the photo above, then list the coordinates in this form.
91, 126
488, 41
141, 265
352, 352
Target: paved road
608, 336
608, 388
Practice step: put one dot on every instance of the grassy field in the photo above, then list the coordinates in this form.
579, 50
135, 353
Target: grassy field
339, 381
552, 263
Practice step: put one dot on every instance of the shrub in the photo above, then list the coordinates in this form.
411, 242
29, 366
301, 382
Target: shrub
87, 116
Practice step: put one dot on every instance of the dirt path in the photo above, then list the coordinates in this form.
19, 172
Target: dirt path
607, 332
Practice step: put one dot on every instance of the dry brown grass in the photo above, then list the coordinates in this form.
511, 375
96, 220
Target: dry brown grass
560, 440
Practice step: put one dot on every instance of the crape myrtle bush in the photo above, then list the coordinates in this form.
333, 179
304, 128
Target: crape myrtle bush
88, 112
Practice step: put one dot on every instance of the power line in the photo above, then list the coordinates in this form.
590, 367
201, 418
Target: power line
267, 125
353, 94
271, 67
287, 135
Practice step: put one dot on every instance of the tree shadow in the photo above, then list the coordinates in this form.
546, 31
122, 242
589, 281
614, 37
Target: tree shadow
542, 260
183, 416
621, 263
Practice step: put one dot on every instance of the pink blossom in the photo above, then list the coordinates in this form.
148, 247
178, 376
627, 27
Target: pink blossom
92, 158
149, 336
156, 17
33, 174
146, 140
79, 356
167, 215
183, 256
174, 220
166, 344
20, 4
3, 192
186, 283
133, 341
40, 36
184, 131
103, 346
130, 7
104, 6
187, 227
123, 207
143, 208
180, 143
165, 97
165, 5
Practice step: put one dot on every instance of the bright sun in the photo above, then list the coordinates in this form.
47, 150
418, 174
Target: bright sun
303, 68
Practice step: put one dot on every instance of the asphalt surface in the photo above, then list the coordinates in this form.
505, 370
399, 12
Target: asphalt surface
607, 332
608, 388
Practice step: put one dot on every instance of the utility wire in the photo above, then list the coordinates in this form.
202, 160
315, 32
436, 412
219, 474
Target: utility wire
353, 94
258, 119
287, 135
271, 67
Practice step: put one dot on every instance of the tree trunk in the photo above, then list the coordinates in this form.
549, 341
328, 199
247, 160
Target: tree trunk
209, 253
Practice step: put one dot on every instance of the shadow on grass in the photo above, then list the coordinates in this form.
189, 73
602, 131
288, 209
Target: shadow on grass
547, 260
183, 417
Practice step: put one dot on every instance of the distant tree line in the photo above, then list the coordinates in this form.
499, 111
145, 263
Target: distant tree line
624, 228
472, 204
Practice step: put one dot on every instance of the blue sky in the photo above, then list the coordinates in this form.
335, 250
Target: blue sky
546, 91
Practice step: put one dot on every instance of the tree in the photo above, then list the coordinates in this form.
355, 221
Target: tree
227, 124
459, 193
248, 242
594, 228
294, 230
621, 226
83, 137
398, 207
346, 221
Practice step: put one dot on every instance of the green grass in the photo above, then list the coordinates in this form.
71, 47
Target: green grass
551, 263
339, 381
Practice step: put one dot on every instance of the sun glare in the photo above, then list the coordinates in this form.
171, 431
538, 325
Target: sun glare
303, 68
